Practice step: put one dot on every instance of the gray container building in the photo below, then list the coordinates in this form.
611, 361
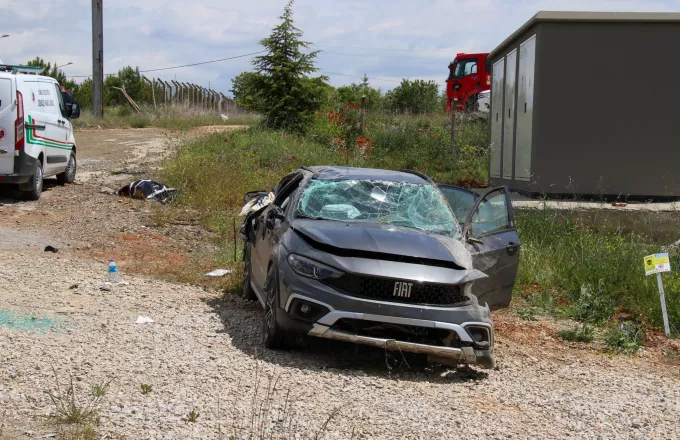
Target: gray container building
588, 103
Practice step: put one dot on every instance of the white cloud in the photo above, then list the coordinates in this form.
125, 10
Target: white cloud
389, 40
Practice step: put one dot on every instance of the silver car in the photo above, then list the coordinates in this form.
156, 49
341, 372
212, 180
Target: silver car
382, 258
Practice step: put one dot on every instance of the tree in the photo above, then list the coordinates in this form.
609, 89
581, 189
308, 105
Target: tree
416, 97
131, 79
281, 86
354, 92
82, 93
49, 69
246, 94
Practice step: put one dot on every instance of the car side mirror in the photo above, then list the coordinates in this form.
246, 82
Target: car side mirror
74, 112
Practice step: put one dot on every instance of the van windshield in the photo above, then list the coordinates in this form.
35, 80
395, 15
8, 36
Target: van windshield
404, 204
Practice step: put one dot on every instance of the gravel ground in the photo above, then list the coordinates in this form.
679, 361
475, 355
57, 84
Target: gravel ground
203, 354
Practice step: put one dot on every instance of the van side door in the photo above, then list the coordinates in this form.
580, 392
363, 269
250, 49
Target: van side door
8, 116
46, 123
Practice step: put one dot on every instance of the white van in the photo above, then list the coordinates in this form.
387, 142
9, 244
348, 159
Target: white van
36, 136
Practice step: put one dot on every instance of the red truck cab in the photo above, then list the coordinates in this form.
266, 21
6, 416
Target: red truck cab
469, 74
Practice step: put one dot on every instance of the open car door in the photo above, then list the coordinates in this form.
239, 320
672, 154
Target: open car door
490, 236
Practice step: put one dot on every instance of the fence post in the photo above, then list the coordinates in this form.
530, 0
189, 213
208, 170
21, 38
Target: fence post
177, 89
454, 110
165, 97
151, 84
171, 86
363, 112
223, 102
153, 92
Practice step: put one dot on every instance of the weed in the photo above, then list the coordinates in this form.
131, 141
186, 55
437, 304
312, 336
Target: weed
86, 433
99, 390
593, 304
618, 339
69, 408
193, 416
528, 314
146, 389
584, 334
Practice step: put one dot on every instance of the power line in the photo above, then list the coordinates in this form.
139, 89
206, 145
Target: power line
183, 65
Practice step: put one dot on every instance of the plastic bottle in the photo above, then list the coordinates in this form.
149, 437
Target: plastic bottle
113, 272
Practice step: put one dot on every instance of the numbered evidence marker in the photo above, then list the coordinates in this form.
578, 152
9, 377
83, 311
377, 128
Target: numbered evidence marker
657, 264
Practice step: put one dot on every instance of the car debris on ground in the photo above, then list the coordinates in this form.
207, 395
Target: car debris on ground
219, 273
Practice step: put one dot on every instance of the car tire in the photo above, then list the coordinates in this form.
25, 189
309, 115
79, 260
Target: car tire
471, 105
33, 188
247, 293
273, 337
69, 174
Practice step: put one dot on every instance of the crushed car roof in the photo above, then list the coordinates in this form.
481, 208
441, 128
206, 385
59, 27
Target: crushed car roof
350, 173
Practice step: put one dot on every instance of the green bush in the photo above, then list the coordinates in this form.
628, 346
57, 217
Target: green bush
584, 334
620, 340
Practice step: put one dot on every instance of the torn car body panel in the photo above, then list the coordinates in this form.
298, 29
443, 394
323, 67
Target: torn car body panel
371, 256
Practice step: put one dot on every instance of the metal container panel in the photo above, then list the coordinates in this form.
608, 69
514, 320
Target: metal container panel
509, 112
525, 112
495, 148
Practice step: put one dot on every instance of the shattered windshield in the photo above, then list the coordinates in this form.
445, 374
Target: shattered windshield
376, 201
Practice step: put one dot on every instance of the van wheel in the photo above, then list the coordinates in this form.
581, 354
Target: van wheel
34, 186
69, 174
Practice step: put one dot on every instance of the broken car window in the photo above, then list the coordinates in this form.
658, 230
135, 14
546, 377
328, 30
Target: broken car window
491, 216
394, 203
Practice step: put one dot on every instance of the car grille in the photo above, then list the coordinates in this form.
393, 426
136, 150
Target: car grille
383, 289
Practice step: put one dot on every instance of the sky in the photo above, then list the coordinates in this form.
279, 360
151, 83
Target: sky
386, 39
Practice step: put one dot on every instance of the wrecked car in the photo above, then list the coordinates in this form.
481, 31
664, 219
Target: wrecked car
382, 258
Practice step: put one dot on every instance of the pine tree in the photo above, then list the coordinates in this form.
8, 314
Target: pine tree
49, 69
364, 82
289, 96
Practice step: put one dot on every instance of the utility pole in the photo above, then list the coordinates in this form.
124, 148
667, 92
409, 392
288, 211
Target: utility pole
97, 58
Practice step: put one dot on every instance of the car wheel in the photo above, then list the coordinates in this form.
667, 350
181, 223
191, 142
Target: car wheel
35, 185
69, 174
272, 336
471, 104
248, 292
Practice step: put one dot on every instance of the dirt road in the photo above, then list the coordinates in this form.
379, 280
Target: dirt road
202, 359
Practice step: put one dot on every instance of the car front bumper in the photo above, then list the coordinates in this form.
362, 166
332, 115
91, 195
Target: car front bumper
332, 307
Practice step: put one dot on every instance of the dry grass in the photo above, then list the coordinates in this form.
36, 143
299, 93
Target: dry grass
175, 117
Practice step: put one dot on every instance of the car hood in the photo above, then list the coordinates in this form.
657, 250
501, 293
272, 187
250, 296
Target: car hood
374, 238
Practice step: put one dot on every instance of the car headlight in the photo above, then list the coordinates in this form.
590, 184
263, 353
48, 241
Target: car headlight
312, 269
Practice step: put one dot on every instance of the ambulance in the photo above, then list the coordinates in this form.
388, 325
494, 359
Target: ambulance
36, 136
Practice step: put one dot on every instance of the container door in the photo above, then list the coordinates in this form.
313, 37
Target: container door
509, 113
8, 115
495, 148
525, 112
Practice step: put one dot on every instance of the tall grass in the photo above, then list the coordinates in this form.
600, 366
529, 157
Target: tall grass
172, 117
596, 271
421, 143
